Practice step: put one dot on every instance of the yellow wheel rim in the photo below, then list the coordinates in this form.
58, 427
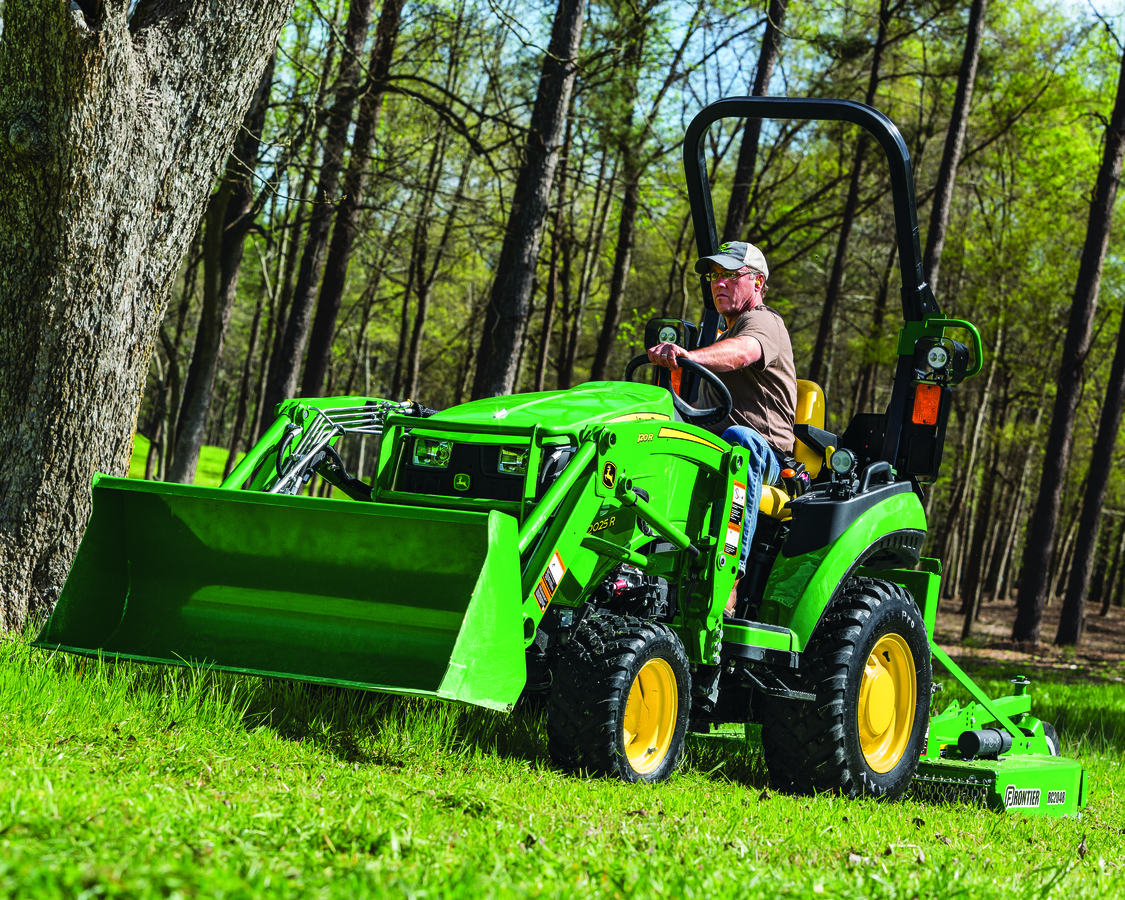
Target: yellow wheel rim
887, 699
650, 716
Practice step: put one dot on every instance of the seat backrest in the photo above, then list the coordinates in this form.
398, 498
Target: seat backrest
810, 411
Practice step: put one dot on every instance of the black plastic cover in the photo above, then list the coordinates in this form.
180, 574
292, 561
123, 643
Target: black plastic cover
818, 519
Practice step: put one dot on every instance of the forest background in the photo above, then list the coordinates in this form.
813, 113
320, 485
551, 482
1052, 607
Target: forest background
352, 244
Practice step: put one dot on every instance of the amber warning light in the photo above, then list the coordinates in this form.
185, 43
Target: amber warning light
927, 401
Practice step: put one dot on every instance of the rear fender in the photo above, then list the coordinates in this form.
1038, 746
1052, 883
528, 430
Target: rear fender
801, 587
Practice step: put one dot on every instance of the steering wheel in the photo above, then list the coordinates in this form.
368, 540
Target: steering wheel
690, 413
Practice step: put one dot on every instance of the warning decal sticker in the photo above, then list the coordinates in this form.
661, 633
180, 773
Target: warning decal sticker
738, 504
549, 583
732, 541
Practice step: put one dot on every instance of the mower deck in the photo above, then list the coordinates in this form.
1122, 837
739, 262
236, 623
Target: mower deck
1033, 785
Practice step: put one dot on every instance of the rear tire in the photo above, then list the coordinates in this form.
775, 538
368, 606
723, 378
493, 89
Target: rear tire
868, 663
620, 700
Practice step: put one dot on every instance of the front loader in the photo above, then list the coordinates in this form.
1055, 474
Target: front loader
580, 546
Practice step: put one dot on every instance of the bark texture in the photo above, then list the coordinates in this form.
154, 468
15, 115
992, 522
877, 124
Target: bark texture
738, 208
506, 314
112, 133
1037, 556
954, 139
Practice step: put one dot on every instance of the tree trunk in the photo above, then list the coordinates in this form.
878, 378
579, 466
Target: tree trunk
982, 519
553, 273
590, 257
818, 367
1114, 574
1003, 586
293, 231
285, 368
244, 391
1101, 462
865, 391
229, 219
738, 208
116, 128
622, 259
425, 280
355, 186
954, 138
506, 313
1041, 535
1063, 557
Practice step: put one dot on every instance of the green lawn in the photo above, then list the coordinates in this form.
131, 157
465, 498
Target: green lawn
209, 471
134, 781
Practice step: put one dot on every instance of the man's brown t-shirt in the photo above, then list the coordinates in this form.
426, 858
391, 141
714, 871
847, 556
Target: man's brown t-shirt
765, 392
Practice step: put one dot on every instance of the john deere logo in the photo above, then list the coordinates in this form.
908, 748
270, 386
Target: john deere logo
609, 474
461, 482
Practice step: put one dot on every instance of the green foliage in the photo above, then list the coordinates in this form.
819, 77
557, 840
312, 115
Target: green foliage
125, 780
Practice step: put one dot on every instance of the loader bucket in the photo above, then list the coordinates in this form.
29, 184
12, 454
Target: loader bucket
363, 595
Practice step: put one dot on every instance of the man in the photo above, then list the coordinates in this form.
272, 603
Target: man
754, 359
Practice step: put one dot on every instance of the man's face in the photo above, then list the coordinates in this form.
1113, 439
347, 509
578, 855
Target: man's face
736, 293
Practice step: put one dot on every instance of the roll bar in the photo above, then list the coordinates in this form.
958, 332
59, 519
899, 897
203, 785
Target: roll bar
918, 302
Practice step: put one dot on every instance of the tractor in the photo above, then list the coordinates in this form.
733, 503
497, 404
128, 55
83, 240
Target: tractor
577, 549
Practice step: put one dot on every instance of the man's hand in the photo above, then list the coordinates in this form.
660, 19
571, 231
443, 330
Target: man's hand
667, 355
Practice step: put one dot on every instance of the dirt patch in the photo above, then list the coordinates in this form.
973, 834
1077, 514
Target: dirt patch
1101, 654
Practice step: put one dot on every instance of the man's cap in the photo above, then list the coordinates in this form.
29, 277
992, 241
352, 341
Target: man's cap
734, 255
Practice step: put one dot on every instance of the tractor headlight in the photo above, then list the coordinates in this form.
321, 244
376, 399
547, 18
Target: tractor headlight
937, 357
431, 453
513, 461
842, 462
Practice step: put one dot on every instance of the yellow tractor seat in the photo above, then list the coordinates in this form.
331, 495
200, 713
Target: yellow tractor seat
773, 503
810, 411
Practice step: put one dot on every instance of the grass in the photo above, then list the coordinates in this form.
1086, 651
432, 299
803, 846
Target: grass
126, 780
208, 472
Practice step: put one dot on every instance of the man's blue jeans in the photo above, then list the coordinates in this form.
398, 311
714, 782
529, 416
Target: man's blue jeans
764, 469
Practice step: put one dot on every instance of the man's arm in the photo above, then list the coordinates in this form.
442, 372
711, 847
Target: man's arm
723, 356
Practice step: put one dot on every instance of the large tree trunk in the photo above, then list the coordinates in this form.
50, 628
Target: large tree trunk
818, 367
506, 314
116, 129
229, 219
1073, 619
1041, 533
739, 205
285, 368
355, 187
954, 138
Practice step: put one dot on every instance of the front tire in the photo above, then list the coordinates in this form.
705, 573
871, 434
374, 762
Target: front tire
868, 663
620, 700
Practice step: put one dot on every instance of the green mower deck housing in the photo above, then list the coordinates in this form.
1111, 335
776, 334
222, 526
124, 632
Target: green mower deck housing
580, 546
